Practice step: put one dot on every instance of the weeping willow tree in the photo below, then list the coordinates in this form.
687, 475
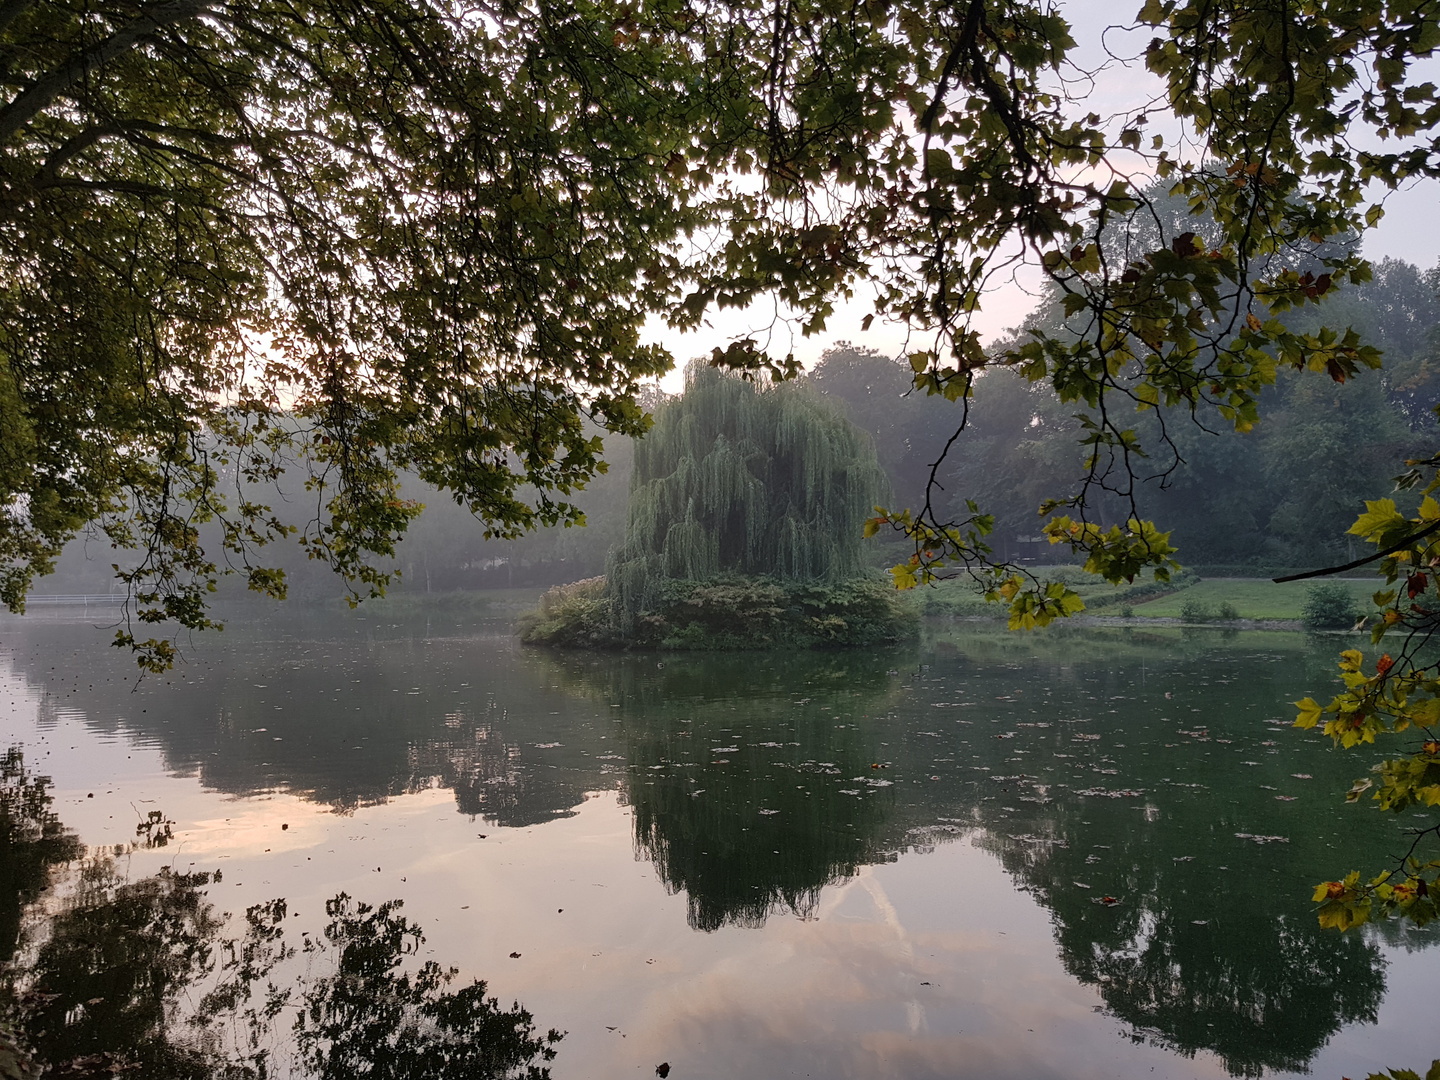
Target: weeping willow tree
744, 480
745, 530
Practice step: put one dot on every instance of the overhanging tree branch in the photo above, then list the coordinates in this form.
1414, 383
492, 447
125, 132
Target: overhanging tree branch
1401, 546
41, 94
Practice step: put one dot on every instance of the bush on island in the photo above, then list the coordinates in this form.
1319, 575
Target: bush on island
727, 612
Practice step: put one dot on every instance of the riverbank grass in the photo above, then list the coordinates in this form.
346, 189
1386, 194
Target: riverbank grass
1247, 598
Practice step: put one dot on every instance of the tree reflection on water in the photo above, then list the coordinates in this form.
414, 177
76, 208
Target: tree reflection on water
733, 763
114, 977
1189, 964
1195, 956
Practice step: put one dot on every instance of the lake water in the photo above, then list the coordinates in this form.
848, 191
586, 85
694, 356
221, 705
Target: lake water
1081, 854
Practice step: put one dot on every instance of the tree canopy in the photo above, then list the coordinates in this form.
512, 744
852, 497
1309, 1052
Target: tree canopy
238, 237
336, 239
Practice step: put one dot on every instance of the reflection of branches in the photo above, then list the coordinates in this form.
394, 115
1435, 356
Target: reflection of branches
109, 965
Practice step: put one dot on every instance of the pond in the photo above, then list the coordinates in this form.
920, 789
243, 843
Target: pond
1079, 854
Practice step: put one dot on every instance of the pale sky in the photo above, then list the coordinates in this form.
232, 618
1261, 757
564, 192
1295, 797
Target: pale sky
1410, 229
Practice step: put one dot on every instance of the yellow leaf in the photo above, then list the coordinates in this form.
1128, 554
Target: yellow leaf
904, 577
1377, 516
1310, 711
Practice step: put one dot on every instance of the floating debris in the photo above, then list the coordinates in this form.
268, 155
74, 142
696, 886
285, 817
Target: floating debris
1257, 839
1113, 793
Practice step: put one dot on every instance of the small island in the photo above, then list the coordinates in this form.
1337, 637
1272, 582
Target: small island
744, 530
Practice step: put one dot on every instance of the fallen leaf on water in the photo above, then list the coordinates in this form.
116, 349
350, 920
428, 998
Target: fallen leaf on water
514, 956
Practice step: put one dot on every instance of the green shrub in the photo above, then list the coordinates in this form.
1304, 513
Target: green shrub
1329, 606
568, 614
1193, 609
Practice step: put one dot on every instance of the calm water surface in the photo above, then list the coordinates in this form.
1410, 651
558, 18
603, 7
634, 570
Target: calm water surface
1086, 854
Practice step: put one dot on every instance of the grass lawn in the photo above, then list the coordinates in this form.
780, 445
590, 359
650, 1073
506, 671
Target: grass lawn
1253, 598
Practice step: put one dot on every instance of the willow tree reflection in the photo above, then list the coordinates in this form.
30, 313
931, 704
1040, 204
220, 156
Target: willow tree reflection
118, 977
756, 779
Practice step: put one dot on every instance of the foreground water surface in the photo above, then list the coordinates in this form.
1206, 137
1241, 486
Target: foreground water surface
1086, 854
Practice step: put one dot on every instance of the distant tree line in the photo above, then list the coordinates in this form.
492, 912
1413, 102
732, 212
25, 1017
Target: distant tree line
1282, 495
